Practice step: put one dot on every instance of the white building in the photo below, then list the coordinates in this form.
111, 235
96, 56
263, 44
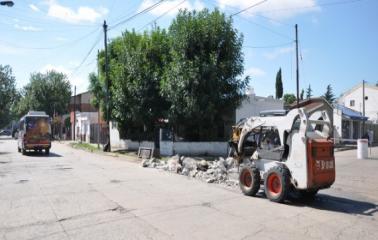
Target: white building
347, 124
353, 100
253, 105
85, 116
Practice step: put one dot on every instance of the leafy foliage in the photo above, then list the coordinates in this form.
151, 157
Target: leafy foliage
188, 74
289, 98
49, 92
308, 92
279, 87
328, 95
201, 81
97, 88
301, 95
137, 63
8, 94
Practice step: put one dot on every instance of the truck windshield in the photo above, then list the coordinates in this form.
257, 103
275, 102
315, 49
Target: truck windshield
38, 125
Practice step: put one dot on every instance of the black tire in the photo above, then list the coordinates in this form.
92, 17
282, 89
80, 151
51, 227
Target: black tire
308, 195
249, 180
23, 151
18, 149
47, 151
277, 184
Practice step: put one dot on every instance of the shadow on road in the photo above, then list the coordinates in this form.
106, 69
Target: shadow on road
338, 204
42, 154
5, 138
5, 153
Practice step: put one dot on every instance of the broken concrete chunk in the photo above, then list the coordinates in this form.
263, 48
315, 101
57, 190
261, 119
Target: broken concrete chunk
210, 180
202, 165
174, 165
189, 163
145, 163
230, 162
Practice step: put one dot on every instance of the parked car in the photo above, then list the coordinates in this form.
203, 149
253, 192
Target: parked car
5, 133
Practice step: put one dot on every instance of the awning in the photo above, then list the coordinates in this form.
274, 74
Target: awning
350, 113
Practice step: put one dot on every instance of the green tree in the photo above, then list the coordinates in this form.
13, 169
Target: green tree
302, 95
49, 92
289, 98
308, 92
203, 79
137, 63
328, 95
97, 88
8, 94
279, 86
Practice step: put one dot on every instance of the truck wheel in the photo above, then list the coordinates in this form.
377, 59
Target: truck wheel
18, 149
47, 151
23, 151
277, 184
249, 180
308, 194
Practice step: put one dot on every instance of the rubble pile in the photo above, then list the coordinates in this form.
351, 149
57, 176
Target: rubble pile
223, 171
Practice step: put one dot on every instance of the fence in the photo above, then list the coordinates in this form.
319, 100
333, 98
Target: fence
374, 128
98, 133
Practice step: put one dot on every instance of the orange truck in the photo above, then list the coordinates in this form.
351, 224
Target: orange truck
34, 133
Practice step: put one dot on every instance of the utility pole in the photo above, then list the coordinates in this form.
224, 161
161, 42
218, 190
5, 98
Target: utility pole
363, 107
74, 115
105, 26
296, 53
99, 109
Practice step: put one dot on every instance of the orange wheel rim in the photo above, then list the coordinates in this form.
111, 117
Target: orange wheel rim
246, 178
274, 184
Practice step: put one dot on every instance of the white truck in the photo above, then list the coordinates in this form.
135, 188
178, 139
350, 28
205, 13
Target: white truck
286, 152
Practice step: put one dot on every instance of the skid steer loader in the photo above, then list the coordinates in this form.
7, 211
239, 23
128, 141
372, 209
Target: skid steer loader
286, 152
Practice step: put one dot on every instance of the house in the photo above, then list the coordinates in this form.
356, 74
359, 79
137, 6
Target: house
253, 105
85, 118
348, 114
347, 124
353, 99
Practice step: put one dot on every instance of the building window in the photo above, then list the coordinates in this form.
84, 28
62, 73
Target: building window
351, 103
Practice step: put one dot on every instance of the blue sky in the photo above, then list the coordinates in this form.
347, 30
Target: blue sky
338, 38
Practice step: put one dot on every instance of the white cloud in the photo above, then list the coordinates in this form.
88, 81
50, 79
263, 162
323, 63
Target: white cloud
34, 7
82, 14
254, 72
50, 67
27, 28
277, 53
78, 80
61, 39
173, 6
278, 9
9, 50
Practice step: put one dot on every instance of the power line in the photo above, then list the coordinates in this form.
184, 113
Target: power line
38, 20
131, 7
260, 25
87, 55
270, 46
54, 47
137, 14
246, 9
314, 6
162, 15
268, 29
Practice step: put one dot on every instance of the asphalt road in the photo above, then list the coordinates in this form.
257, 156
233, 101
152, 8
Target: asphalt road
73, 194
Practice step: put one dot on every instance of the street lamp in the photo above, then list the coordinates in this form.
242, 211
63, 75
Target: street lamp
7, 3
